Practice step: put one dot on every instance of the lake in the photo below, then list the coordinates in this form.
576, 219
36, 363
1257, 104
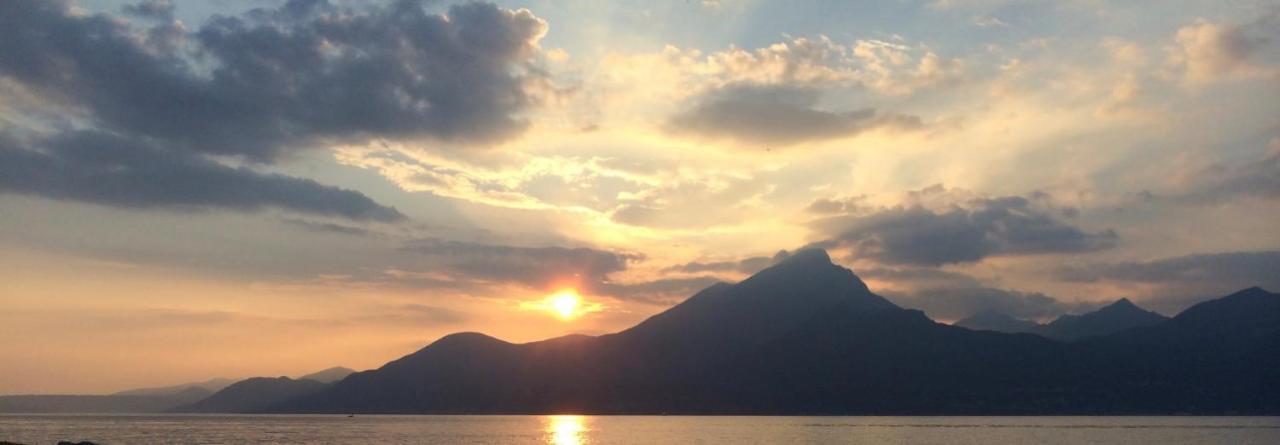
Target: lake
564, 430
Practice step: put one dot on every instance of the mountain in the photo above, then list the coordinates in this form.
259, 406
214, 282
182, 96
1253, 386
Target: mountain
471, 372
1115, 317
806, 336
1110, 319
330, 375
1218, 357
100, 404
210, 386
190, 397
253, 394
998, 322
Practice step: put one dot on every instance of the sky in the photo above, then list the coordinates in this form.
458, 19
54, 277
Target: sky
233, 188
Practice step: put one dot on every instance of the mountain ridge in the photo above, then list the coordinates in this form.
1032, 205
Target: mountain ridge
806, 336
1112, 318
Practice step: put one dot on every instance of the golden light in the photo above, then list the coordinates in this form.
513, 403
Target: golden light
565, 303
566, 430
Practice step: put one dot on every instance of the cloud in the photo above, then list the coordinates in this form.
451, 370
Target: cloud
1207, 51
1174, 283
883, 67
987, 21
748, 265
416, 315
470, 265
951, 296
1259, 178
144, 116
106, 169
934, 227
952, 304
777, 115
279, 79
157, 9
539, 267
328, 227
661, 291
835, 206
1237, 269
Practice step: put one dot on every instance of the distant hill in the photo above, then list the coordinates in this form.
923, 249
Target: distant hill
329, 375
252, 394
1113, 318
806, 336
214, 395
1116, 317
100, 404
210, 386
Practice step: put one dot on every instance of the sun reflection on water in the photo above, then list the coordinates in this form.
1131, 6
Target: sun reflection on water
566, 430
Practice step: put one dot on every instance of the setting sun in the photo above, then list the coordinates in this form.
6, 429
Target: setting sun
565, 303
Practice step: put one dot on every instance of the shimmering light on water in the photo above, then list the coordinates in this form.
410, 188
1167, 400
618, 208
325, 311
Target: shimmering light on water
591, 430
566, 430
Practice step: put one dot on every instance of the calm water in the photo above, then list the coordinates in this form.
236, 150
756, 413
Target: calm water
216, 429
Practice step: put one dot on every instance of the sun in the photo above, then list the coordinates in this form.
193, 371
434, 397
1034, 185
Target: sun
565, 303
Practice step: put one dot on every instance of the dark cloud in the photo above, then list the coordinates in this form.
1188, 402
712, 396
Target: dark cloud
254, 87
955, 303
532, 266
1243, 268
919, 277
950, 296
960, 232
102, 168
777, 115
280, 79
157, 9
749, 265
1172, 284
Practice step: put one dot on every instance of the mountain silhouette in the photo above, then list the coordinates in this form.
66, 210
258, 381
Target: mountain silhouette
806, 336
1217, 357
210, 386
252, 394
329, 375
1115, 317
102, 404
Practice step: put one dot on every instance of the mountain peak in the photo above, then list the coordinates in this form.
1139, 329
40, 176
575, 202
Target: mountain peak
1247, 303
329, 375
1112, 318
812, 255
1252, 292
1121, 304
809, 273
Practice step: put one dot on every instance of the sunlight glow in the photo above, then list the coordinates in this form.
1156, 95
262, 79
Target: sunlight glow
565, 303
566, 430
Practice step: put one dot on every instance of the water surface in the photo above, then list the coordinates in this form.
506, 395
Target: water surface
576, 430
